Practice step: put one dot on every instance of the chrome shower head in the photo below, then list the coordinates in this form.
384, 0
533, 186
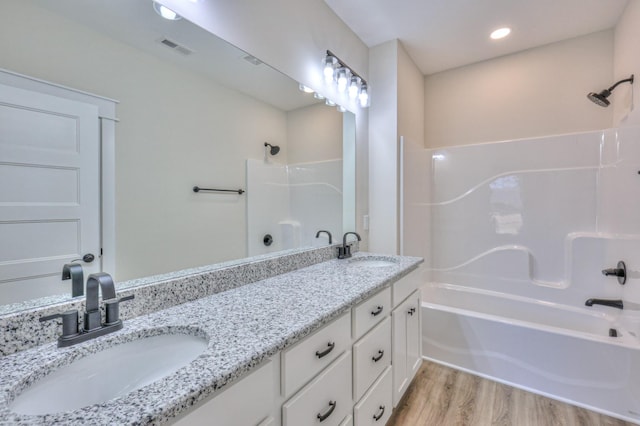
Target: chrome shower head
274, 148
601, 98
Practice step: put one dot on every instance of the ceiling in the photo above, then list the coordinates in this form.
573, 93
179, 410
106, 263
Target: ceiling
445, 34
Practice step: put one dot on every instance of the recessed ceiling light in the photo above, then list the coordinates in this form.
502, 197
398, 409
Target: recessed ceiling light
165, 12
500, 33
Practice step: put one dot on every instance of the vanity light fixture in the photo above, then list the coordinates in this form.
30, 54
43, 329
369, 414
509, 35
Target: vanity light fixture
165, 12
500, 33
347, 80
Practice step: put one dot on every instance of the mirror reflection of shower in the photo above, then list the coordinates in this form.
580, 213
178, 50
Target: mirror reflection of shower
601, 97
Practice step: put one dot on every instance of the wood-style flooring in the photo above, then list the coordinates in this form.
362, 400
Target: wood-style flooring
442, 396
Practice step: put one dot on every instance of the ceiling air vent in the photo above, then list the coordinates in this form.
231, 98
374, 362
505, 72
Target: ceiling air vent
175, 46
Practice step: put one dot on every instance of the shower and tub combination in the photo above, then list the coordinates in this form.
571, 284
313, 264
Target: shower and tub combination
524, 282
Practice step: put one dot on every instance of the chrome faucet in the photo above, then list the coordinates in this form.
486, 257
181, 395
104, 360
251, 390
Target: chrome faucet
605, 302
73, 272
344, 251
93, 325
326, 232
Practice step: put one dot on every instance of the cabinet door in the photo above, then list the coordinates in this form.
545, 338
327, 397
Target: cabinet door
399, 350
405, 350
247, 402
414, 358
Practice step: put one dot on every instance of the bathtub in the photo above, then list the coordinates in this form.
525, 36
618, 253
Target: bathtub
559, 351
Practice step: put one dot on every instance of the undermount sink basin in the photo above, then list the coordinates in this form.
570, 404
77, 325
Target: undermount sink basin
372, 262
109, 374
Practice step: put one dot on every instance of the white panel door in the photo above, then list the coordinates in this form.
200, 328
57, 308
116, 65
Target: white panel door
49, 191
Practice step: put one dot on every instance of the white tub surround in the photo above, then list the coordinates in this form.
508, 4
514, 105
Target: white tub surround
520, 233
245, 326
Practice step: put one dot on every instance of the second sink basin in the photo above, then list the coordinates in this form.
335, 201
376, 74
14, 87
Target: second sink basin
109, 374
372, 262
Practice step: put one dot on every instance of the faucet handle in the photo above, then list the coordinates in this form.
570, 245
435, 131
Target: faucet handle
620, 271
69, 322
112, 309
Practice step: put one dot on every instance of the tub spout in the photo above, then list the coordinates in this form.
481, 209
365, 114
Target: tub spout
613, 303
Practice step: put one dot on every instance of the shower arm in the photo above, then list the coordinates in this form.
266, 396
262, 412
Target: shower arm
630, 80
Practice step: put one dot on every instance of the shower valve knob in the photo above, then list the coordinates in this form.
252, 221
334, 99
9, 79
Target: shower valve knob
620, 272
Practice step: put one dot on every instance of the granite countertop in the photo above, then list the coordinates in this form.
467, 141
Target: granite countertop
245, 326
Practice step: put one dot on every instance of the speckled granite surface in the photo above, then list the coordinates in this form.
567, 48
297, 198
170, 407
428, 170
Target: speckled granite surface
245, 325
20, 328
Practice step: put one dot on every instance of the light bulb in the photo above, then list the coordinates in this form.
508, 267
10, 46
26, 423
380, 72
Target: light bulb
329, 102
329, 63
342, 79
340, 108
363, 96
165, 12
318, 96
305, 89
353, 87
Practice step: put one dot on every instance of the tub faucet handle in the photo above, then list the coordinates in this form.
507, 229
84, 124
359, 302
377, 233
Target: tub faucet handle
620, 271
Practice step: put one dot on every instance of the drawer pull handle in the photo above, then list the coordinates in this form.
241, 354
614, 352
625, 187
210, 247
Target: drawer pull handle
326, 351
379, 416
379, 357
323, 417
377, 311
412, 311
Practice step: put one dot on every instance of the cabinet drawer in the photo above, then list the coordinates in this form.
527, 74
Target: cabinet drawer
307, 358
370, 312
327, 395
405, 286
371, 355
375, 407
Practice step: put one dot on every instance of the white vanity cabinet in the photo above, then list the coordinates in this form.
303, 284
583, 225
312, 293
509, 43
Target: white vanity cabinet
353, 371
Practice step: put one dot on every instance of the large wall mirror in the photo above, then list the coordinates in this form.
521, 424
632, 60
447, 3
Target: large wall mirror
193, 110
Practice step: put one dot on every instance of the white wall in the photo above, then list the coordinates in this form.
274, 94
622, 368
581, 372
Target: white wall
314, 134
536, 92
626, 61
177, 130
383, 149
